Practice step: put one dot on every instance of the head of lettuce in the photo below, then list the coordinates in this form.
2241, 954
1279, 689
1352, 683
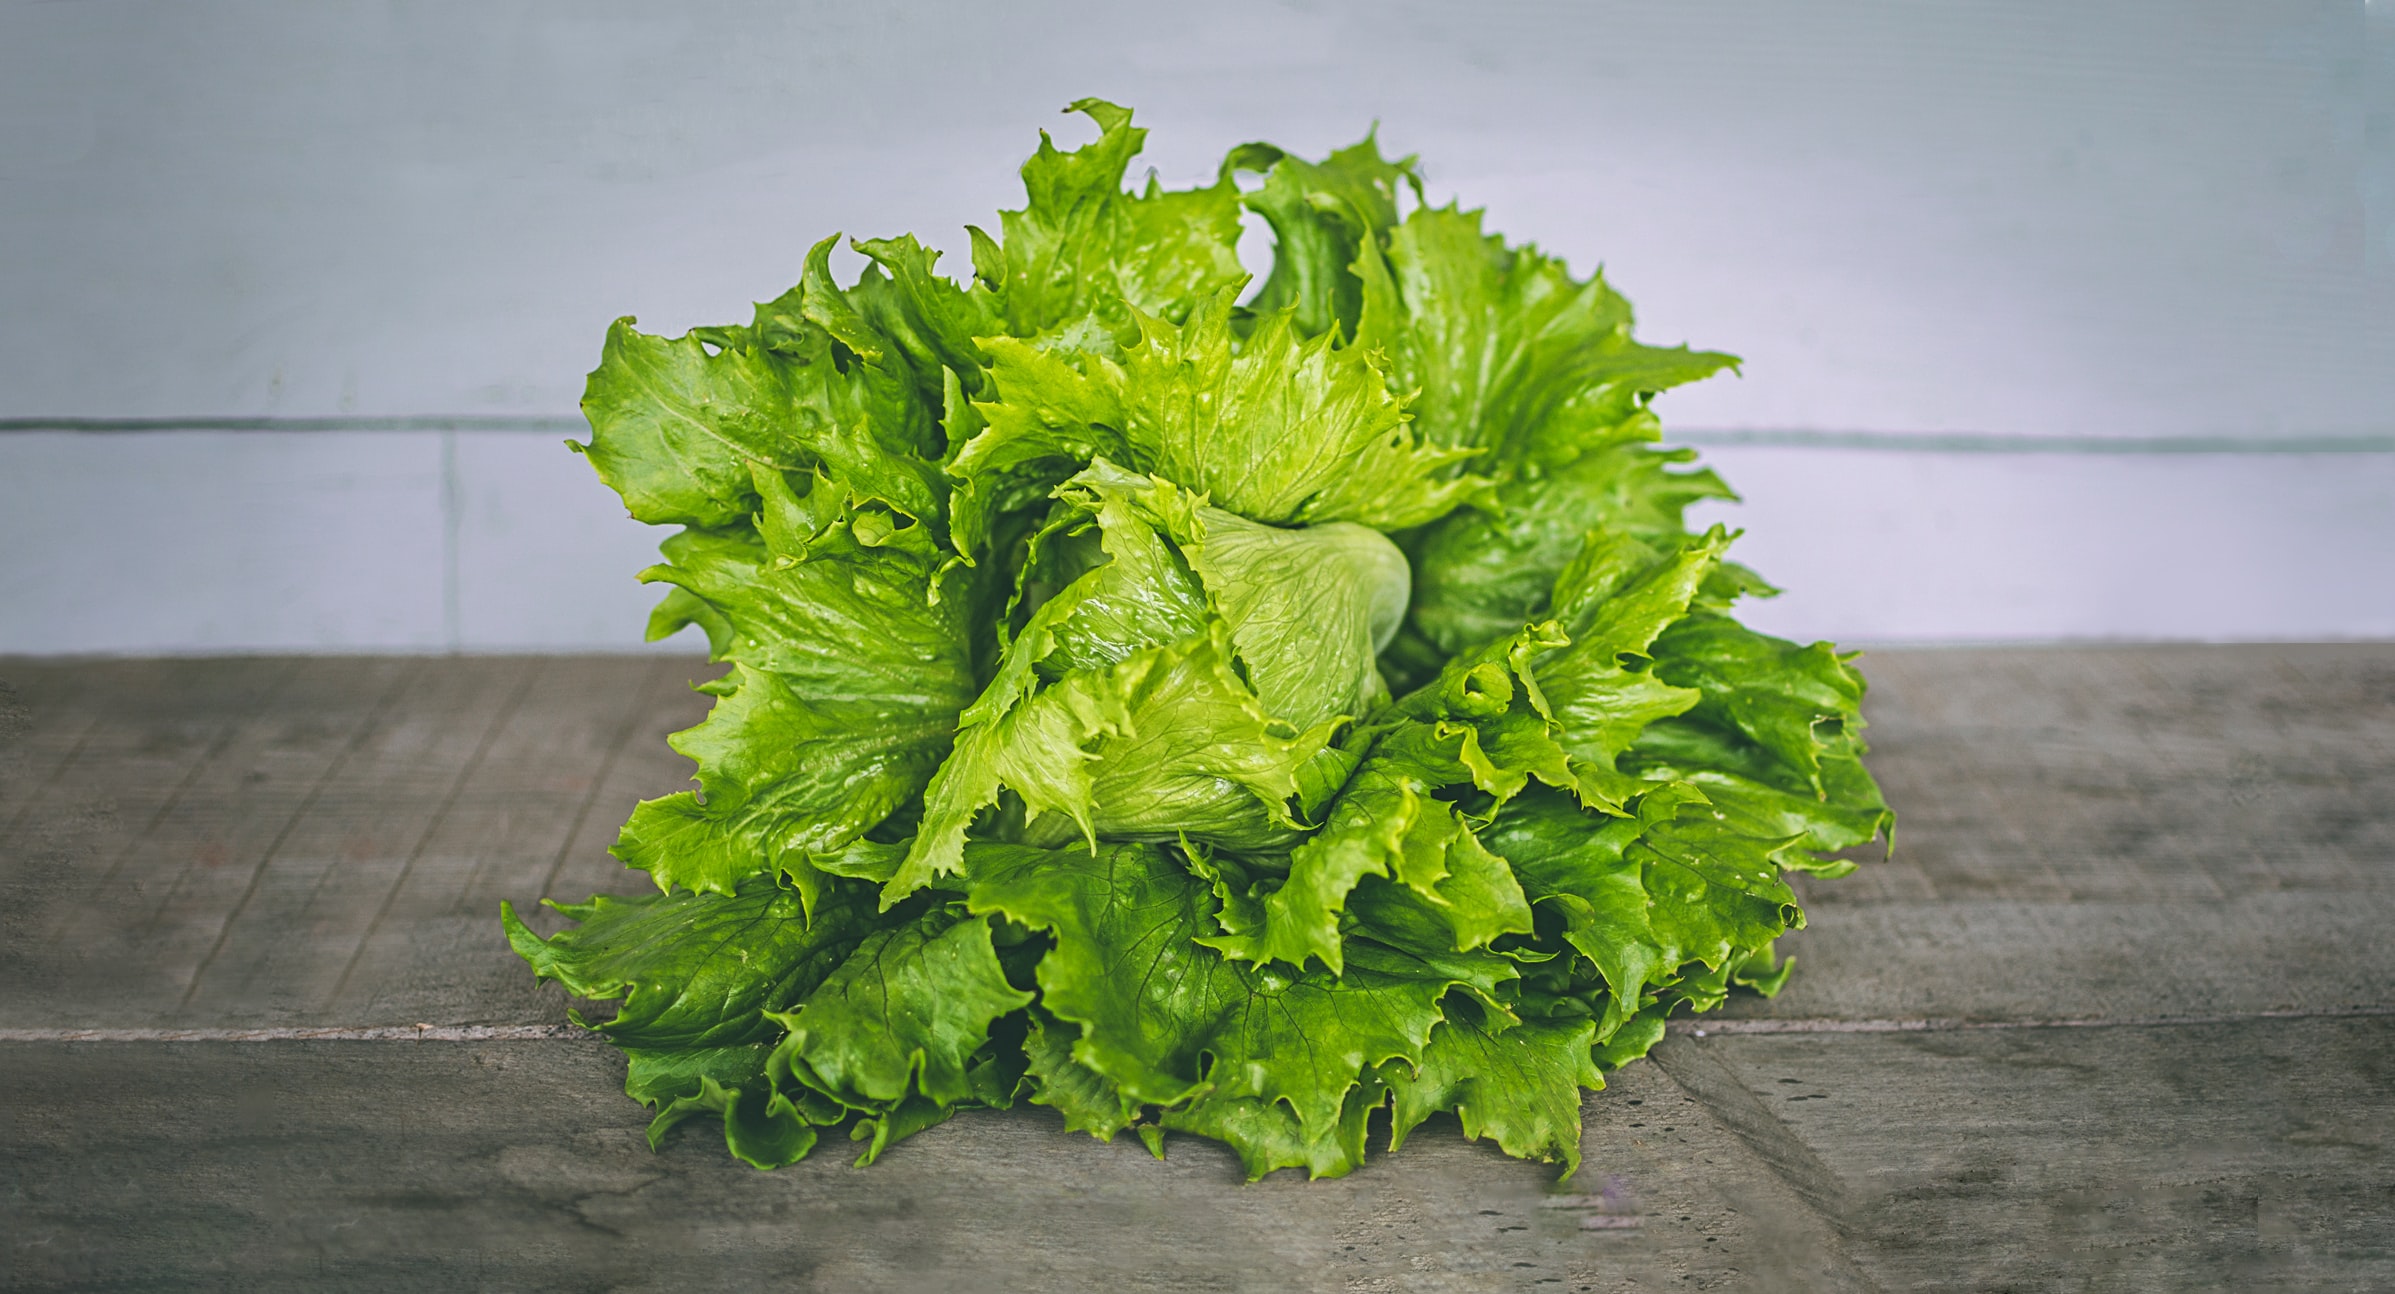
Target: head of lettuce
1194, 705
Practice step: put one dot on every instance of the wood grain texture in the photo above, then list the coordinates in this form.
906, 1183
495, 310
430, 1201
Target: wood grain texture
2246, 1155
2109, 836
514, 1166
317, 841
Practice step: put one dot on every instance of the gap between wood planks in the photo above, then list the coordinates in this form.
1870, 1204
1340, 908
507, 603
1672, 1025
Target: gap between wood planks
1696, 1028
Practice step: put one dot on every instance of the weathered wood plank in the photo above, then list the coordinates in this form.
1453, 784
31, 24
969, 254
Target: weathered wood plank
2098, 832
431, 946
182, 889
54, 707
114, 767
2154, 1158
2109, 834
645, 767
2247, 1155
2136, 774
442, 1166
291, 937
2015, 960
40, 726
130, 875
2116, 832
271, 827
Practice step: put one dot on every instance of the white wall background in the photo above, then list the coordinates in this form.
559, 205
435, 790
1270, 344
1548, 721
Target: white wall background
2158, 240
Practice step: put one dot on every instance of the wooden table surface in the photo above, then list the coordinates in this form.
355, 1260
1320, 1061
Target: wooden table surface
2119, 1015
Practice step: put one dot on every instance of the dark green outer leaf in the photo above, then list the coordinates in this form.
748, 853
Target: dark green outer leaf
852, 621
761, 1127
787, 777
696, 970
905, 1012
1642, 898
1519, 1086
1088, 1102
1166, 1020
1268, 1135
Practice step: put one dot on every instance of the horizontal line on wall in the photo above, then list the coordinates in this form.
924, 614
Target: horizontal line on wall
1702, 1028
1918, 442
424, 422
330, 1033
1972, 442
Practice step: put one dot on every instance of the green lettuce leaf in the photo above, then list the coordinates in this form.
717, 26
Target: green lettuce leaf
1642, 898
1519, 1086
1269, 1135
1481, 574
1084, 248
931, 320
696, 970
1322, 214
677, 425
1167, 743
1309, 607
1278, 429
851, 663
1088, 1102
1509, 352
1799, 703
1389, 822
903, 1015
1165, 1019
1616, 600
761, 1127
1285, 431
